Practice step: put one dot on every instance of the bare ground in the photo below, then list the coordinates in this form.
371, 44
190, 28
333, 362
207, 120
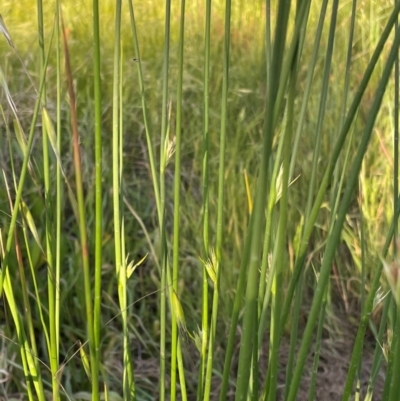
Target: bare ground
336, 349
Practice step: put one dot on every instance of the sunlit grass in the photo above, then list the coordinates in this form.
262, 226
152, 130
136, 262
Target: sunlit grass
164, 176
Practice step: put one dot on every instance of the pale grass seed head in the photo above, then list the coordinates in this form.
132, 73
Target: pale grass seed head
211, 265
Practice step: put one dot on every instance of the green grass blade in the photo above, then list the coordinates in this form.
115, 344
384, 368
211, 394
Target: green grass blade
250, 309
128, 384
317, 349
177, 189
53, 285
395, 349
309, 225
82, 217
165, 119
281, 242
98, 186
205, 302
335, 236
221, 193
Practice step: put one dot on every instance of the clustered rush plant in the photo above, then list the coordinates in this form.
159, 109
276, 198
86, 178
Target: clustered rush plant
254, 124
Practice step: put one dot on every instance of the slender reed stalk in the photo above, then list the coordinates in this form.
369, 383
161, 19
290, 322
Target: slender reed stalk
250, 309
237, 306
220, 204
82, 220
201, 395
53, 285
308, 86
334, 238
309, 225
175, 344
317, 349
98, 186
281, 242
379, 354
128, 384
395, 349
159, 186
162, 210
59, 186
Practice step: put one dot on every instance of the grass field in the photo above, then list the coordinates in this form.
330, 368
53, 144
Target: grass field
172, 209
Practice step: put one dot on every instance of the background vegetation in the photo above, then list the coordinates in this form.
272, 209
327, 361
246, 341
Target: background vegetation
45, 265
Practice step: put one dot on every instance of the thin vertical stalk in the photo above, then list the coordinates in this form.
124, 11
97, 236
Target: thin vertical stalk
268, 291
237, 306
264, 289
388, 308
308, 85
294, 330
395, 349
147, 122
277, 292
59, 178
221, 193
317, 349
335, 235
204, 304
249, 334
378, 353
387, 390
82, 217
363, 279
309, 226
293, 56
159, 187
163, 240
293, 52
51, 270
254, 389
322, 107
222, 143
268, 41
98, 186
120, 262
177, 189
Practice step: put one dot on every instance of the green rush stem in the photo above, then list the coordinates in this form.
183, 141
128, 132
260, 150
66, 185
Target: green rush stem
336, 232
59, 188
147, 121
53, 285
220, 204
162, 211
159, 187
82, 218
309, 225
205, 303
281, 241
120, 262
249, 334
395, 384
98, 186
177, 189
